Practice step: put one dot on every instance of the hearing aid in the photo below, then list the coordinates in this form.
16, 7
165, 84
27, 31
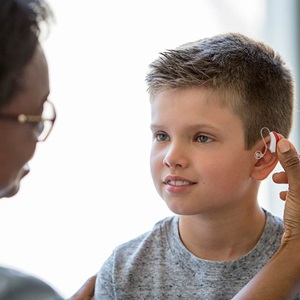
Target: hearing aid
274, 138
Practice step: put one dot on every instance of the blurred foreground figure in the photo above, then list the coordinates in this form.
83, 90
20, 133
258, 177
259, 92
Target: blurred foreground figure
26, 117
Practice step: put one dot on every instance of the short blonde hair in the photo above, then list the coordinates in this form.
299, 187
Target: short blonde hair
248, 75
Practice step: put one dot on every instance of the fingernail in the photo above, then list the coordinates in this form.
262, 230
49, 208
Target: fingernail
284, 146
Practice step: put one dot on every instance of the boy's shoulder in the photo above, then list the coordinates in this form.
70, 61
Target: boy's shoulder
273, 222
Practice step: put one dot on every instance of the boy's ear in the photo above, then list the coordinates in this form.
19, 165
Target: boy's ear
264, 166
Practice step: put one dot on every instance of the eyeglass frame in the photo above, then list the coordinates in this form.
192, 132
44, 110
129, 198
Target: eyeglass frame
24, 118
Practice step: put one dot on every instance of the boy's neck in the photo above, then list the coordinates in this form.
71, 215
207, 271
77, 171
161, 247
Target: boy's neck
222, 239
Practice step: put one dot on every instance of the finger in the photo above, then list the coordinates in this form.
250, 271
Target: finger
280, 177
89, 286
283, 195
86, 291
290, 161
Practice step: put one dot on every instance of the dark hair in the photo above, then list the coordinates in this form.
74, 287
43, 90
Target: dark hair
19, 35
247, 75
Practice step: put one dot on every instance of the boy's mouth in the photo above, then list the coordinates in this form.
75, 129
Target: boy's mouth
177, 181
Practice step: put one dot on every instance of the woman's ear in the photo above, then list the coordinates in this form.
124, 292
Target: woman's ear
264, 166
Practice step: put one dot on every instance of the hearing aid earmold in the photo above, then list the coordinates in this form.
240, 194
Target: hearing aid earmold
274, 138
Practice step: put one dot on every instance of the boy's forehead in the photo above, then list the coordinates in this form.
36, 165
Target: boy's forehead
199, 93
192, 105
224, 99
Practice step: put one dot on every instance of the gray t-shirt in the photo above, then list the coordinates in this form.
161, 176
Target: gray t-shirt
15, 285
156, 265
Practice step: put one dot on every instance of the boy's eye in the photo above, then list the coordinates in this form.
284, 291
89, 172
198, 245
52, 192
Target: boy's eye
204, 139
161, 137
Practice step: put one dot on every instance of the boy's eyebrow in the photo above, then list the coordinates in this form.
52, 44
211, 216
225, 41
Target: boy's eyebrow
199, 126
154, 127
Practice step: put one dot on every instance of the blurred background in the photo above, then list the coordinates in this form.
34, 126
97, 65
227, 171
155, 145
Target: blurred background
90, 187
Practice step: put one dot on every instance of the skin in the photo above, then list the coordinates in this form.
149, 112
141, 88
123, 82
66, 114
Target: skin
86, 292
18, 141
200, 143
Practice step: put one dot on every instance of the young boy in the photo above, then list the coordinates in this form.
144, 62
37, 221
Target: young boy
209, 101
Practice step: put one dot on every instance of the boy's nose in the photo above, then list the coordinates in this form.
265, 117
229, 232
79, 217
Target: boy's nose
175, 157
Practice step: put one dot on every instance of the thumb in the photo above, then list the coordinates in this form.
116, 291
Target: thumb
290, 161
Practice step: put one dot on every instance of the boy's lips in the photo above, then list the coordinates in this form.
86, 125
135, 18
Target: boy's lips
177, 181
177, 184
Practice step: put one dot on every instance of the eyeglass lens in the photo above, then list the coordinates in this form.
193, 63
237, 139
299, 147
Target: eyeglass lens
44, 127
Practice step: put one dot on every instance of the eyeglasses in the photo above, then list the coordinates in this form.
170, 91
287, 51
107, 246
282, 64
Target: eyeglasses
44, 122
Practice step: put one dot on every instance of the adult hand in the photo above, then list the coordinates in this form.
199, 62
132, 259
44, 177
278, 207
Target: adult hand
280, 277
290, 161
86, 292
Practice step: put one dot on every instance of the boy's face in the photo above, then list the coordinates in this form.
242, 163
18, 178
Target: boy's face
198, 159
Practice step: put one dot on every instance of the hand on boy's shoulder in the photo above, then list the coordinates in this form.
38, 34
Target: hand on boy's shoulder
290, 161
